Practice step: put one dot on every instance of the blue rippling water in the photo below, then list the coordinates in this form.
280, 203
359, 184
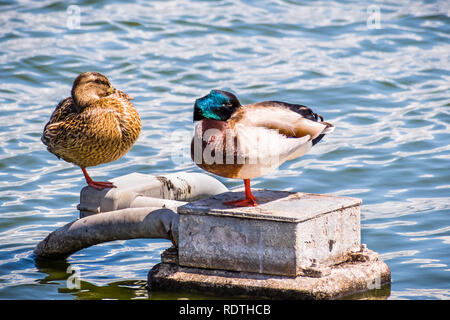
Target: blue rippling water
383, 80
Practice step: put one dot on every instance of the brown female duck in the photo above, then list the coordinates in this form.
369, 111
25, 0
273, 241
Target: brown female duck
96, 125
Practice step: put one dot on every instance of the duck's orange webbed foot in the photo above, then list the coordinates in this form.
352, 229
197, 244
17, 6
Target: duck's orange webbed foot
241, 203
249, 201
99, 185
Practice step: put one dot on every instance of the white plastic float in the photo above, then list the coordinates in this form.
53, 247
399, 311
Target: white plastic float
142, 206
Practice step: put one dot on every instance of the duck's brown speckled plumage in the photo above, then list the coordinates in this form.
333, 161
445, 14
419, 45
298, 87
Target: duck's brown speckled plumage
100, 131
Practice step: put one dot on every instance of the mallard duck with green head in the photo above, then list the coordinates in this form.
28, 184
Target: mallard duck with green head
245, 142
95, 125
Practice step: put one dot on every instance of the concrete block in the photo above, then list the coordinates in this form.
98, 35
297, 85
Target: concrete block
288, 234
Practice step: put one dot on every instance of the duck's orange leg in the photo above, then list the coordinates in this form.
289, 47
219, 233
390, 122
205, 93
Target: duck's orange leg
249, 201
99, 185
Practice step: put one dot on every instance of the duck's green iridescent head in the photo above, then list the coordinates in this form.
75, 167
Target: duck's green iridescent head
217, 105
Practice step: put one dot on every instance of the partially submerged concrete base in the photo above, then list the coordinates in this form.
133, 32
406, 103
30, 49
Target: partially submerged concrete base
361, 272
291, 246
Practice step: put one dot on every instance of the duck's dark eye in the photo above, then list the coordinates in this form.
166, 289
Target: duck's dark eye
100, 81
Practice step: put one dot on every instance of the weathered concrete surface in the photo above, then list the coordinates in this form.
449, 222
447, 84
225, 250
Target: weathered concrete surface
362, 271
286, 234
144, 190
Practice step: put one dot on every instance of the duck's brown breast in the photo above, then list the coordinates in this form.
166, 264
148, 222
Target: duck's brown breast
213, 148
103, 132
